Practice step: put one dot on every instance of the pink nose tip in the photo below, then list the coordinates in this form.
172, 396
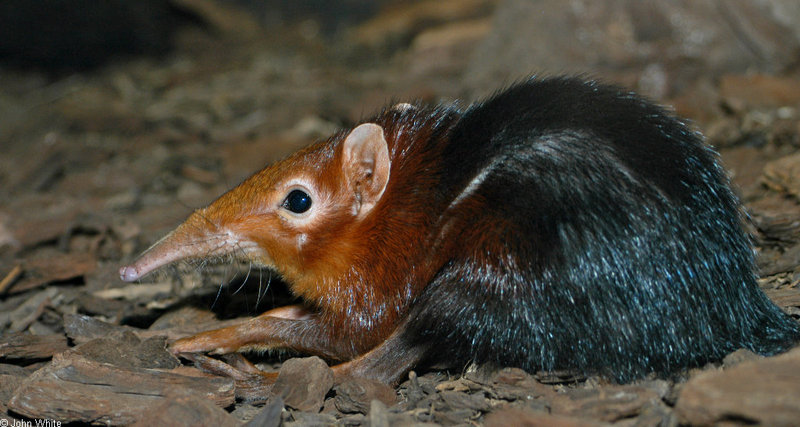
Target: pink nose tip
128, 273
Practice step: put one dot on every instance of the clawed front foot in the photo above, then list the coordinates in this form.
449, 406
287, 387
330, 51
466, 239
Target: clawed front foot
280, 327
220, 341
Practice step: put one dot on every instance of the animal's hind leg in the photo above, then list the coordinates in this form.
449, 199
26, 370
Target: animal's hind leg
388, 362
251, 383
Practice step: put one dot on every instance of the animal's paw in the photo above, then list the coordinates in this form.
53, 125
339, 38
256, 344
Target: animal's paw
251, 383
213, 342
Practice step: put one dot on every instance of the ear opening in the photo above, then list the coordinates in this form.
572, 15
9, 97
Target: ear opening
366, 165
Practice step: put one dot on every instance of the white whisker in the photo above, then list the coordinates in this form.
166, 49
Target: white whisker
258, 294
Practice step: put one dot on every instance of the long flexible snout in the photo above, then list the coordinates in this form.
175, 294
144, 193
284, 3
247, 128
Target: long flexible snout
187, 241
169, 249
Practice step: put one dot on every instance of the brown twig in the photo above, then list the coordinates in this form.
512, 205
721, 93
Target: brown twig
10, 278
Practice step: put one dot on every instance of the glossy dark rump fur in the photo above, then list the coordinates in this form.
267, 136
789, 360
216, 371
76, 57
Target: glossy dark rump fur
593, 232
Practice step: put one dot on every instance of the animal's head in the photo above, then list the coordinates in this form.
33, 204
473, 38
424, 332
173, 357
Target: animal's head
300, 216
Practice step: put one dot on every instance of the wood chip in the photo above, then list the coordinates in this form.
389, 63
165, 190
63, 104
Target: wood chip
17, 346
516, 384
303, 383
73, 388
30, 310
125, 349
270, 415
763, 392
781, 227
459, 400
783, 175
81, 328
55, 269
785, 297
609, 403
46, 218
378, 414
526, 417
355, 395
8, 384
183, 407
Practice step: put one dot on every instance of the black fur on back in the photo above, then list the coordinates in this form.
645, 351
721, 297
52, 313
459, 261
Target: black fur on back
599, 234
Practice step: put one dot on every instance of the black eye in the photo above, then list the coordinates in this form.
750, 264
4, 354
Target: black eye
297, 201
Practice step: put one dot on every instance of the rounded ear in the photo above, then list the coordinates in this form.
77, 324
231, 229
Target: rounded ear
366, 165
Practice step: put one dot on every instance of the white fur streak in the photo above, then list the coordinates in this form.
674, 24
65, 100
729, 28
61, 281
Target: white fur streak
474, 184
467, 192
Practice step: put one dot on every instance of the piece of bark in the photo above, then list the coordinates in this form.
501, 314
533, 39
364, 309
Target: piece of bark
27, 346
656, 414
8, 385
73, 388
609, 403
81, 328
783, 175
516, 384
13, 370
46, 217
780, 227
60, 268
524, 417
779, 262
185, 408
459, 384
460, 400
125, 349
740, 356
786, 298
378, 414
303, 419
559, 377
453, 417
270, 415
92, 305
29, 311
303, 383
763, 392
355, 395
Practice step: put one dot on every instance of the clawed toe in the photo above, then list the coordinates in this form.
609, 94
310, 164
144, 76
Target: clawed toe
251, 383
